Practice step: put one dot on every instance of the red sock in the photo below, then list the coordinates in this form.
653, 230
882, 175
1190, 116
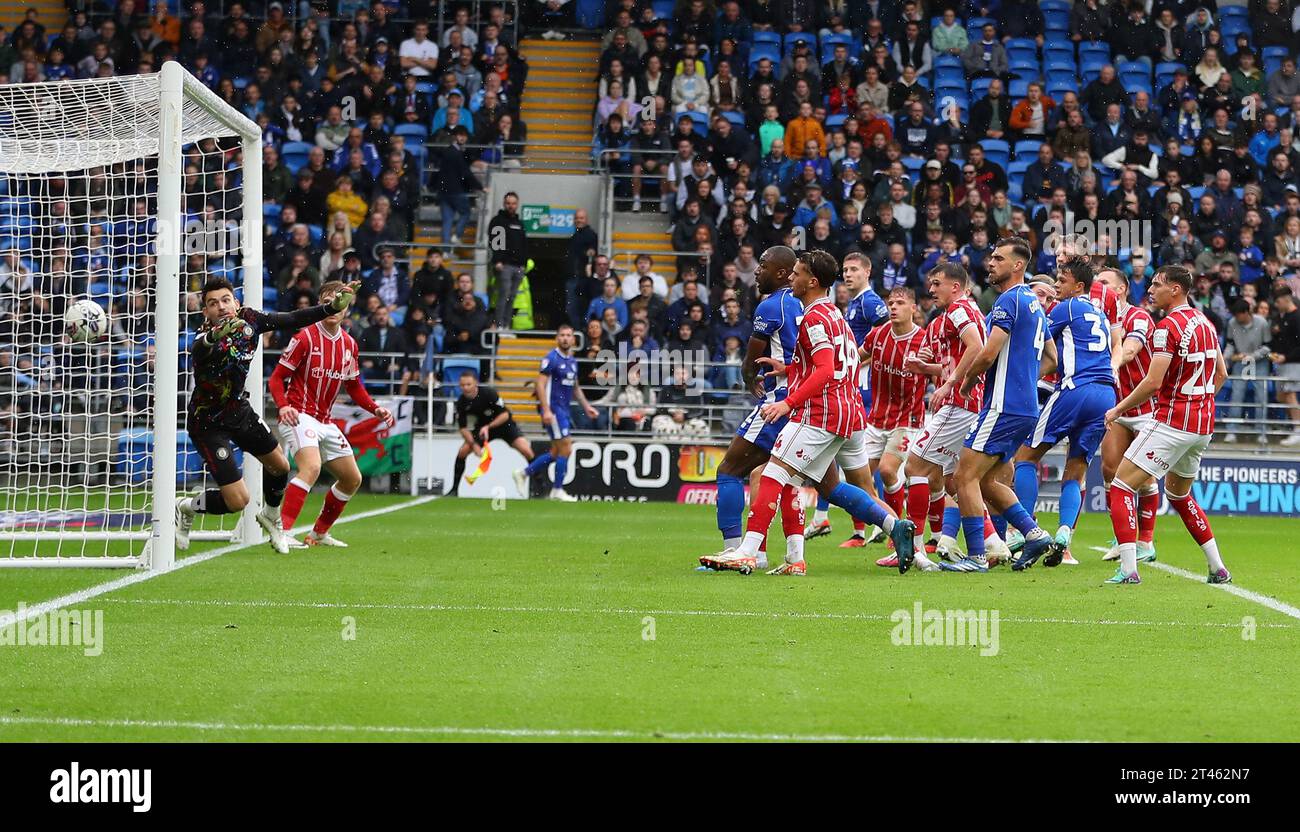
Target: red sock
918, 501
859, 527
791, 511
294, 497
989, 531
1123, 512
897, 499
936, 514
763, 508
1148, 507
335, 502
1193, 518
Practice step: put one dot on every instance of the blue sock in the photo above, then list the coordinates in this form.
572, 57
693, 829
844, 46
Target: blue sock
973, 527
561, 468
823, 504
731, 506
880, 483
999, 524
1018, 517
951, 521
859, 504
1071, 502
539, 463
1027, 485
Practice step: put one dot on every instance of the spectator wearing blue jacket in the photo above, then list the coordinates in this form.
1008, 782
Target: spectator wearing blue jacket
389, 283
776, 168
813, 203
356, 141
610, 297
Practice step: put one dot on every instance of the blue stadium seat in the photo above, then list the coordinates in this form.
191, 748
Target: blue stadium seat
417, 131
1056, 21
1058, 64
1230, 28
1197, 192
1278, 52
1133, 68
1018, 89
1059, 50
701, 121
997, 150
455, 366
294, 155
977, 23
1054, 5
836, 120
1226, 12
1027, 149
1059, 78
317, 234
839, 37
772, 38
1136, 85
590, 14
761, 51
737, 120
1094, 50
1027, 67
948, 77
913, 165
979, 88
426, 87
945, 60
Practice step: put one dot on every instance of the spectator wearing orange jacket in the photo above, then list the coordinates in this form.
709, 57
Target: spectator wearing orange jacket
1031, 116
802, 129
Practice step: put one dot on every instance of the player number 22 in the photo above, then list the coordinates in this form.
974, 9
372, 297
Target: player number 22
1205, 363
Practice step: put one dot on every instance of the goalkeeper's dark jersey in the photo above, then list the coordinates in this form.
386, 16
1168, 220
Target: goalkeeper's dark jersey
221, 369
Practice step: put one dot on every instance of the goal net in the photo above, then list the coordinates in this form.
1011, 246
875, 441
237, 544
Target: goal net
128, 192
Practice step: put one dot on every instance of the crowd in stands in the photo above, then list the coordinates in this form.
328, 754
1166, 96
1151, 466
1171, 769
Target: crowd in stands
919, 132
348, 93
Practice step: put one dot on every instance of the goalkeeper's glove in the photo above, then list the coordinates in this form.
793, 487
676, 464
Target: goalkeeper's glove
343, 299
225, 329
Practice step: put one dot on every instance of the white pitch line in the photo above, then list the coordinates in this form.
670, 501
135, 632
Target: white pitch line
1232, 589
812, 616
520, 733
83, 595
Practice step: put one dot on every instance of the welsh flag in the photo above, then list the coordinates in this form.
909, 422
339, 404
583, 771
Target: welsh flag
378, 448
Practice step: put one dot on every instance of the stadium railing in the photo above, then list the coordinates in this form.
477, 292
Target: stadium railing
621, 180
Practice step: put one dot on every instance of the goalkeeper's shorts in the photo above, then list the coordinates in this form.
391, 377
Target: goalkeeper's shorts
216, 440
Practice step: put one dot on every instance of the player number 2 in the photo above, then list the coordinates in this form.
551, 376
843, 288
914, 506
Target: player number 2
1205, 363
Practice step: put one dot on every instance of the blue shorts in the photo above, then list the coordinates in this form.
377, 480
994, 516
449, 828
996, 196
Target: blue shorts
559, 427
1078, 414
758, 433
999, 434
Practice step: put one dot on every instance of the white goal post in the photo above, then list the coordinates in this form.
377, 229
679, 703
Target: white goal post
128, 191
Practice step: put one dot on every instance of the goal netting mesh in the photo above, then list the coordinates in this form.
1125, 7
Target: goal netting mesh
78, 220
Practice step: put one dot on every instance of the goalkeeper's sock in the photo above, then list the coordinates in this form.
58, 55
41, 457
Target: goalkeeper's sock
561, 469
294, 498
335, 502
273, 486
539, 463
210, 502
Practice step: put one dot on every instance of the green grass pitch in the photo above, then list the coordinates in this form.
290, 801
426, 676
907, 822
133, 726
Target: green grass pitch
451, 620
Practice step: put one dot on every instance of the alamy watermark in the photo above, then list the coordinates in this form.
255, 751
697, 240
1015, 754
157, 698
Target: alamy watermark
919, 627
57, 628
632, 366
1085, 237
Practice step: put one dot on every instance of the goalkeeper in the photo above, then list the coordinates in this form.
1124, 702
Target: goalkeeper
220, 417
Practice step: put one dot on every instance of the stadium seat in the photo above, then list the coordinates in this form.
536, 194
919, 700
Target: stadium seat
997, 150
838, 37
1134, 85
1061, 51
1133, 67
772, 38
737, 120
1278, 52
977, 23
1029, 67
590, 13
947, 61
1231, 28
836, 120
1094, 50
426, 87
1057, 89
948, 77
1226, 12
317, 234
294, 155
1055, 63
1018, 89
1197, 192
417, 131
764, 50
979, 88
1054, 5
1027, 149
455, 366
913, 165
1017, 168
701, 121
1056, 21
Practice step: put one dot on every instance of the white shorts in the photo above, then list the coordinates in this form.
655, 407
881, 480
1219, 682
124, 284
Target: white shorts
1134, 423
893, 442
811, 450
311, 433
1160, 449
941, 440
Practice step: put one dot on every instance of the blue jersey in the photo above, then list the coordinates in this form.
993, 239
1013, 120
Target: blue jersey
1010, 386
1082, 338
864, 313
776, 320
563, 371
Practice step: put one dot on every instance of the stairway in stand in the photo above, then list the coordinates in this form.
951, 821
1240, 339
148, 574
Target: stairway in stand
558, 104
518, 360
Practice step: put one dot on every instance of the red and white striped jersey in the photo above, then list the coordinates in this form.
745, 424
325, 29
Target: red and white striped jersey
1139, 326
837, 407
1186, 398
943, 336
319, 364
1107, 302
897, 395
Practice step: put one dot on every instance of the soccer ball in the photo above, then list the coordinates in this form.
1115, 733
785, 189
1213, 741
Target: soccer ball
85, 320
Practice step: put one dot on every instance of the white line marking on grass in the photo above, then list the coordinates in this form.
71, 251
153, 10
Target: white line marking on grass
1232, 589
83, 595
519, 733
812, 616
